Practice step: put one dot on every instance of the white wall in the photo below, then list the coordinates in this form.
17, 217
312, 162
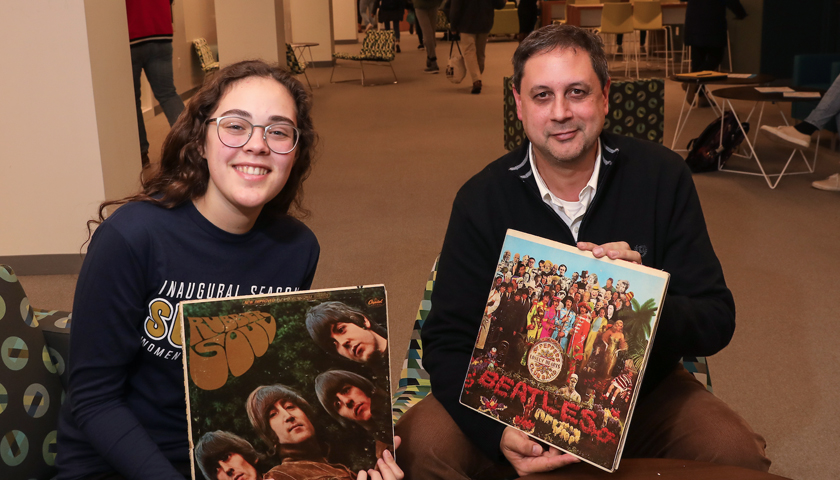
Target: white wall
51, 169
312, 22
249, 29
344, 20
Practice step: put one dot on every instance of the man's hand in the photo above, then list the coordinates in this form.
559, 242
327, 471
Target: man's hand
527, 456
386, 467
613, 250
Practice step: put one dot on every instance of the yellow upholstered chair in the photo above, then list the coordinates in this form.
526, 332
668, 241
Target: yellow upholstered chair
617, 18
647, 15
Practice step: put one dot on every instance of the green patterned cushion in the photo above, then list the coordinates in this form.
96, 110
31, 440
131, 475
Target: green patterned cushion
295, 66
347, 56
637, 109
205, 55
414, 380
31, 393
378, 46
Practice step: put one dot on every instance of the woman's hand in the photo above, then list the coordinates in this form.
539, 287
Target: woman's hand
386, 467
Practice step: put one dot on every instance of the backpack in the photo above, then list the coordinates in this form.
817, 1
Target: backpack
705, 151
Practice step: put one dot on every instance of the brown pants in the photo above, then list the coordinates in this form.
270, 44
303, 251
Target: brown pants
680, 419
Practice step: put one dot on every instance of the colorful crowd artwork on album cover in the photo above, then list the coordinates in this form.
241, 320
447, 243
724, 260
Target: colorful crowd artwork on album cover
562, 345
288, 383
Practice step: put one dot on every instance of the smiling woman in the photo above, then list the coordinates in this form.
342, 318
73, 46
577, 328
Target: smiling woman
219, 205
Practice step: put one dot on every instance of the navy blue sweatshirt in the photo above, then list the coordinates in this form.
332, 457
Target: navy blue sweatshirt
125, 409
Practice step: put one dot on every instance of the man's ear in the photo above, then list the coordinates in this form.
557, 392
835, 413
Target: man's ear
518, 101
367, 323
607, 97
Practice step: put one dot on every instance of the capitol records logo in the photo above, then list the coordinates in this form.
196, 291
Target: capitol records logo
545, 361
373, 302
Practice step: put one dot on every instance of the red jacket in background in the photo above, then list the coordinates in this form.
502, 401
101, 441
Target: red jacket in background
149, 20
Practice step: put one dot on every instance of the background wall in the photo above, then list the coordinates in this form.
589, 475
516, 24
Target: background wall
61, 139
791, 28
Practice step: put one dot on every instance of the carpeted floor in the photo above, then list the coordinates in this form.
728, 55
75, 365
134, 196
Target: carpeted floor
393, 156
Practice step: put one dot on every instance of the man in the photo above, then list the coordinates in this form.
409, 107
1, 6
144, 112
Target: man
282, 419
150, 38
603, 193
340, 329
569, 391
225, 456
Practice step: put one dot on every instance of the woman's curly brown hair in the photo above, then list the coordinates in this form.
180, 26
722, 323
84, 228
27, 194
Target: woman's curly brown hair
183, 174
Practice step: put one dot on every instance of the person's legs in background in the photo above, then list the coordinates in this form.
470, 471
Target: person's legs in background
427, 19
527, 14
395, 26
138, 54
365, 10
159, 72
469, 49
799, 136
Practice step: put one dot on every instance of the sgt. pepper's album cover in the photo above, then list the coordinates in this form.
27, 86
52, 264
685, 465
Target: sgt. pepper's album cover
286, 386
563, 345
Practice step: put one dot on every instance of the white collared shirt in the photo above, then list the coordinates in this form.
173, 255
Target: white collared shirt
570, 212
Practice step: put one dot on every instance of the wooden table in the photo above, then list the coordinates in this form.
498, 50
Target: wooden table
750, 94
655, 469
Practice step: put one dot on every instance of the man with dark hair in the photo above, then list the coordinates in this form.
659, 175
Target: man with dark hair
351, 398
282, 419
604, 193
225, 456
340, 329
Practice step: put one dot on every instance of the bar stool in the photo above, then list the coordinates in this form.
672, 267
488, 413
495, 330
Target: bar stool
617, 18
647, 15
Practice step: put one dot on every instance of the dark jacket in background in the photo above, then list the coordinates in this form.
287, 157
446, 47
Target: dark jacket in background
473, 16
705, 21
390, 10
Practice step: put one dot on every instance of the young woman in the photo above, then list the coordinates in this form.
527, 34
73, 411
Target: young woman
216, 220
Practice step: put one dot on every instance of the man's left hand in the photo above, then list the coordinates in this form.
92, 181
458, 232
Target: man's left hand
613, 250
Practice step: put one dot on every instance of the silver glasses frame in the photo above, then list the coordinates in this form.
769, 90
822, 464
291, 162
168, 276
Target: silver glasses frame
264, 135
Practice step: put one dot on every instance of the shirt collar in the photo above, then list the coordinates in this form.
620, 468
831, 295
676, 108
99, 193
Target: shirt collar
588, 191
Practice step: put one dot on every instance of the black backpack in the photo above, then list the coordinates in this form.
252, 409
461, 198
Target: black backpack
705, 151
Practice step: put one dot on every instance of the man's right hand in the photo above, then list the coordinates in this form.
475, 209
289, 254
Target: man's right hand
527, 456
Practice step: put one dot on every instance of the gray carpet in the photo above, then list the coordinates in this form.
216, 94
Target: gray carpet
393, 156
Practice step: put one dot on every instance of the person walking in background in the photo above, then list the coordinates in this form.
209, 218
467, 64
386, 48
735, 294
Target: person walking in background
414, 24
426, 12
528, 13
391, 13
705, 30
367, 9
800, 136
150, 38
473, 19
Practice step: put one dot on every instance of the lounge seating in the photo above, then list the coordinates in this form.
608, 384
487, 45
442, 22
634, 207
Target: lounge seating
209, 64
33, 376
377, 49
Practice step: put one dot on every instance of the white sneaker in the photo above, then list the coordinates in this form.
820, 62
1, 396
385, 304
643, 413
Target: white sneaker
830, 184
787, 135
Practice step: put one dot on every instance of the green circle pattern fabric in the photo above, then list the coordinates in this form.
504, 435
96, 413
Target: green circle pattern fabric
31, 390
637, 109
